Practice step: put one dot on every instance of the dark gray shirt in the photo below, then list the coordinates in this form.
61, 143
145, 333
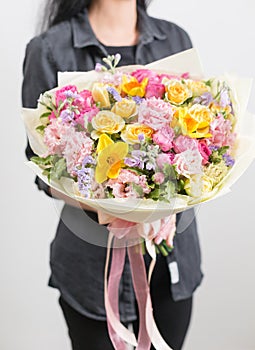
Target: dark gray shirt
78, 251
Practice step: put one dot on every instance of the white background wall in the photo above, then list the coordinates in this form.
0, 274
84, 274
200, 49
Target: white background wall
224, 310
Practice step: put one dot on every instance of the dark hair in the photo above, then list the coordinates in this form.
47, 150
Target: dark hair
57, 11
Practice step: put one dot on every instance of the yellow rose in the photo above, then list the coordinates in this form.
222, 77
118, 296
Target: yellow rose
131, 132
100, 94
107, 122
132, 87
197, 87
198, 185
177, 92
125, 108
195, 121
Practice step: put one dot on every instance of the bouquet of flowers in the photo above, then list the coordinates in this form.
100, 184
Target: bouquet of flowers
142, 143
137, 134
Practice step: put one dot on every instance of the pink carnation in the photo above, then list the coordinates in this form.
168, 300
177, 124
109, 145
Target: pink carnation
53, 136
77, 146
188, 163
155, 113
122, 188
164, 138
183, 143
221, 132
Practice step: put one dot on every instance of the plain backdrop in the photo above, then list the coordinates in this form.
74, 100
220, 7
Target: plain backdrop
224, 306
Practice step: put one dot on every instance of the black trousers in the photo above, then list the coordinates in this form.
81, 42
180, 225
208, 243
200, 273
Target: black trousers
172, 318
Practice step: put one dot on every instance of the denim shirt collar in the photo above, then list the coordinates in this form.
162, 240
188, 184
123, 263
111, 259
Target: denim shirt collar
84, 36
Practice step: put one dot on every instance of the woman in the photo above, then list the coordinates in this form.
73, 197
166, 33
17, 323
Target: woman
80, 33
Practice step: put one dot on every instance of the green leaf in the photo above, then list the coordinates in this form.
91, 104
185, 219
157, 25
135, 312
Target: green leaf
43, 162
155, 194
90, 127
138, 189
45, 115
223, 150
168, 171
170, 190
59, 169
40, 129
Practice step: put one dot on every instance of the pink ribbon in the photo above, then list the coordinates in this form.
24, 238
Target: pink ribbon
121, 232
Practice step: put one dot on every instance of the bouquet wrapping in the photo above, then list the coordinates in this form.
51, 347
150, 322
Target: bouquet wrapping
141, 144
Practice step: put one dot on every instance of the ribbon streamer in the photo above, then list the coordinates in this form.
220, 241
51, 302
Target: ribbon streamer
148, 331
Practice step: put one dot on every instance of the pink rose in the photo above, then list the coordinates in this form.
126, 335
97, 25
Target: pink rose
164, 138
154, 90
155, 113
182, 143
204, 151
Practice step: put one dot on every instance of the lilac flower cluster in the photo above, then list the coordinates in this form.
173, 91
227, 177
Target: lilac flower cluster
114, 93
85, 176
229, 161
206, 99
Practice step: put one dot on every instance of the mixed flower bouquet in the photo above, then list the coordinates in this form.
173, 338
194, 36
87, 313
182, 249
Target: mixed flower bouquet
138, 133
142, 143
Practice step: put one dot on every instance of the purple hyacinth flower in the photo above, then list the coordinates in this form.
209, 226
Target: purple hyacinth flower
67, 116
204, 99
99, 67
138, 100
229, 161
114, 93
150, 166
70, 94
213, 148
134, 162
224, 98
141, 137
88, 160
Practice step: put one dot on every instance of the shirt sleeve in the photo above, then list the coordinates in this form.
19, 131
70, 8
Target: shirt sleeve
39, 75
